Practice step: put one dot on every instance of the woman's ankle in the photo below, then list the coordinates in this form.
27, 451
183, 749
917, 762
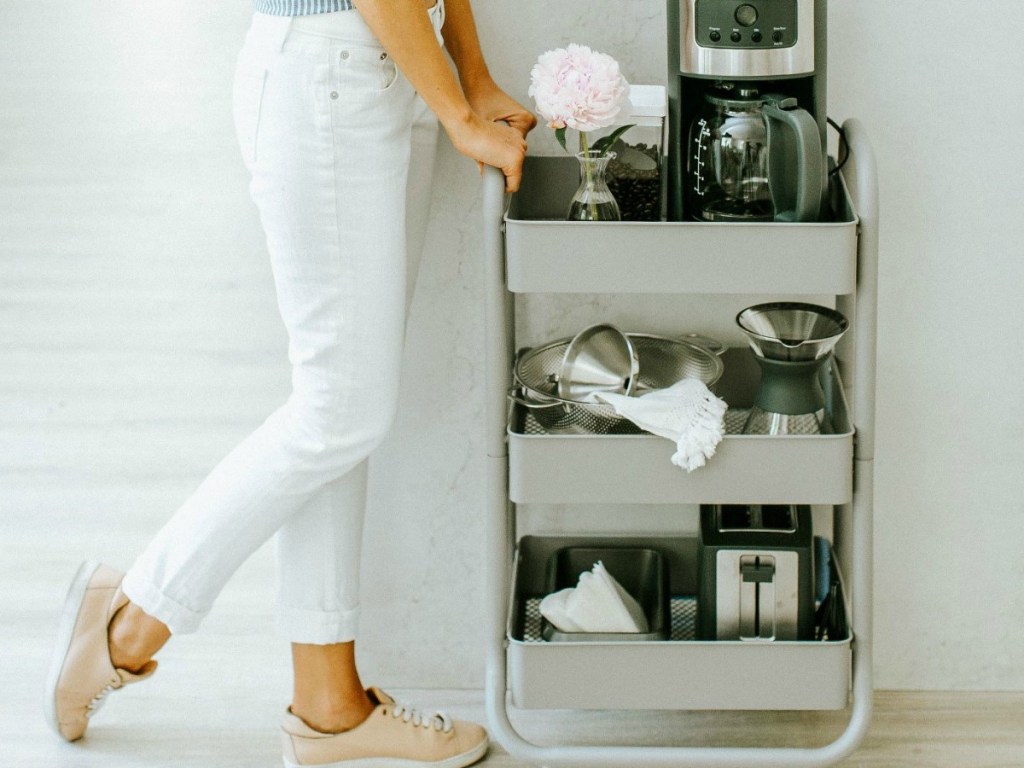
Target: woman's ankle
328, 694
333, 716
133, 637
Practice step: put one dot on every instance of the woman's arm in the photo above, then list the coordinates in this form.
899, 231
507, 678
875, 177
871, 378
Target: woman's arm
403, 28
484, 96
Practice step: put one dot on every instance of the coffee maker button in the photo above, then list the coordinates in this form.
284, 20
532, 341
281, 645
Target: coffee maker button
746, 15
715, 36
756, 37
735, 37
777, 36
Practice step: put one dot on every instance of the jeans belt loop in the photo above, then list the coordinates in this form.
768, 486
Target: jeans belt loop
282, 32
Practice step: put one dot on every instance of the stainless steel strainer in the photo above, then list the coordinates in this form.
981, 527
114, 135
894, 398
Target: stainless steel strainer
663, 362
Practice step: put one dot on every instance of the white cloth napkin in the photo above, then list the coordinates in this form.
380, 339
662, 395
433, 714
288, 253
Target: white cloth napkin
687, 413
598, 603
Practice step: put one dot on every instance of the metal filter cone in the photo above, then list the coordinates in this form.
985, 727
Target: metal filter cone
792, 331
599, 358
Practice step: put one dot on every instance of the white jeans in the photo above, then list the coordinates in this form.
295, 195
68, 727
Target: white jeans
339, 146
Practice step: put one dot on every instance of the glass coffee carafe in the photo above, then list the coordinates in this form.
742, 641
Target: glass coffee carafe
754, 158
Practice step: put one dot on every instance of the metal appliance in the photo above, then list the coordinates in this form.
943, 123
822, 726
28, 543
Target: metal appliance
757, 52
791, 341
755, 577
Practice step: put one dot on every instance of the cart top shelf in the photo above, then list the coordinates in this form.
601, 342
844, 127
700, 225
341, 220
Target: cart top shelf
546, 254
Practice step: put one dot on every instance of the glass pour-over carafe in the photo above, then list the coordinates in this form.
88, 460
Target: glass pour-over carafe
791, 341
754, 158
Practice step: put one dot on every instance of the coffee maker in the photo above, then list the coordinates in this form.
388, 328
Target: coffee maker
742, 52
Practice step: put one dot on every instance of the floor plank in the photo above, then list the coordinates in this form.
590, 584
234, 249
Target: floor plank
176, 722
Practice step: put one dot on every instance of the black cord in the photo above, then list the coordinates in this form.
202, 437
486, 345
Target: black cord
830, 618
844, 148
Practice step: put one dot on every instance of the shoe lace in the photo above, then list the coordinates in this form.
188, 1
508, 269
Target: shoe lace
100, 699
439, 720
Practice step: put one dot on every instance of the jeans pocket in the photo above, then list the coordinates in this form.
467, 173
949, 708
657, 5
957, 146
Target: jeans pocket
362, 71
247, 103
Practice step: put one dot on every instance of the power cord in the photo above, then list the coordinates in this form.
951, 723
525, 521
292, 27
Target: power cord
844, 147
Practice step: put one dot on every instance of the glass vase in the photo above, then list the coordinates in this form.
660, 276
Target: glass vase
593, 200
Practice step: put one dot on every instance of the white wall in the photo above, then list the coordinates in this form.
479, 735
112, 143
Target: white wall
149, 84
930, 79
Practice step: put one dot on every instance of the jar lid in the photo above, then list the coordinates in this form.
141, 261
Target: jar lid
647, 106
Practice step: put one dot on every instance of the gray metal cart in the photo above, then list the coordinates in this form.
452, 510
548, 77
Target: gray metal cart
837, 259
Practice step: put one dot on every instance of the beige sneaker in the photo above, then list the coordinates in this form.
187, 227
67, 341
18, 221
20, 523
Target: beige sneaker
81, 673
393, 736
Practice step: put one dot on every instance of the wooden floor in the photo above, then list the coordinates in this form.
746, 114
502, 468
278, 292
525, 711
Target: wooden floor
229, 721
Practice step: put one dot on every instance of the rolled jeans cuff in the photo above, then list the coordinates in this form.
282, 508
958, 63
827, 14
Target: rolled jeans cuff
317, 627
179, 619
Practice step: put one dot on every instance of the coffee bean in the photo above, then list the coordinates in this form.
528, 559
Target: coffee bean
638, 192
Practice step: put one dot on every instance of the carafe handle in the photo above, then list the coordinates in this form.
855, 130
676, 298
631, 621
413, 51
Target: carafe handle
794, 129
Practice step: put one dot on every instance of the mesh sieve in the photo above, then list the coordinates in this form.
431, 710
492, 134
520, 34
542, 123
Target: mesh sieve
663, 362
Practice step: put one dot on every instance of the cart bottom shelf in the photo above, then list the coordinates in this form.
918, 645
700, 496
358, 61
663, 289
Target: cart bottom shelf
680, 673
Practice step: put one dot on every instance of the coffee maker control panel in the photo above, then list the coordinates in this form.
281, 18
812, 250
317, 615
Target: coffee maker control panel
747, 39
755, 24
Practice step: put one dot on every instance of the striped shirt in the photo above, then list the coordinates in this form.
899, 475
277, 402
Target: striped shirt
300, 7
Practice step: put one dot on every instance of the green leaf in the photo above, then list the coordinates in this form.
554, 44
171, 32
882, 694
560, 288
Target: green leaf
560, 135
605, 143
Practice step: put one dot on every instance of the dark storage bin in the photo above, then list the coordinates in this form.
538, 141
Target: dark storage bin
641, 572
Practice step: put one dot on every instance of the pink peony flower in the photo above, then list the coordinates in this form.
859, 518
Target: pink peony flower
578, 88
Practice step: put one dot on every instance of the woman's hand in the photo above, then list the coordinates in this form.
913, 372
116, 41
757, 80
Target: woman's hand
404, 30
491, 143
495, 107
493, 104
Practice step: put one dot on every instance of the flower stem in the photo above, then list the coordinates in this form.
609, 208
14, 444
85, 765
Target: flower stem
588, 171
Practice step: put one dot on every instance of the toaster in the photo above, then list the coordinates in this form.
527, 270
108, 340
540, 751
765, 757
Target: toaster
755, 573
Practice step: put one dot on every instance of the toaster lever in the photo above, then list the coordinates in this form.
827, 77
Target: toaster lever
758, 572
757, 597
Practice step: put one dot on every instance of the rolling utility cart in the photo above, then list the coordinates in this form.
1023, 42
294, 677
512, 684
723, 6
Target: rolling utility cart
835, 259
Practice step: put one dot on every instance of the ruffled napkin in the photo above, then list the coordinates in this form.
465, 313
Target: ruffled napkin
598, 603
688, 413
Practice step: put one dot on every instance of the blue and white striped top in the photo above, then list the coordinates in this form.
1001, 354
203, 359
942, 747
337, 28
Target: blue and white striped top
300, 7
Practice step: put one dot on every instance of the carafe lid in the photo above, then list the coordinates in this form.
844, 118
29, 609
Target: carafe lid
734, 96
648, 106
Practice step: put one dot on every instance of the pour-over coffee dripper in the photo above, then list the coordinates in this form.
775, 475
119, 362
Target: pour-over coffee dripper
791, 342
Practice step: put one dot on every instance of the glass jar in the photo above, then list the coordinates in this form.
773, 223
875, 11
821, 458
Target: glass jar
636, 172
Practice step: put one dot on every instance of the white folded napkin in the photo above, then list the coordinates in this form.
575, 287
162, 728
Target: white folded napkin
688, 413
598, 603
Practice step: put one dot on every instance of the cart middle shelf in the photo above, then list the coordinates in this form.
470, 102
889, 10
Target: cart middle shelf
547, 468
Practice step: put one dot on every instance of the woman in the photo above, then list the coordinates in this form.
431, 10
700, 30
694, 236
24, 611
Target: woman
336, 109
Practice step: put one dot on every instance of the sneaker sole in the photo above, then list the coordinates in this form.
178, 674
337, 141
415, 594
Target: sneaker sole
65, 632
457, 761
